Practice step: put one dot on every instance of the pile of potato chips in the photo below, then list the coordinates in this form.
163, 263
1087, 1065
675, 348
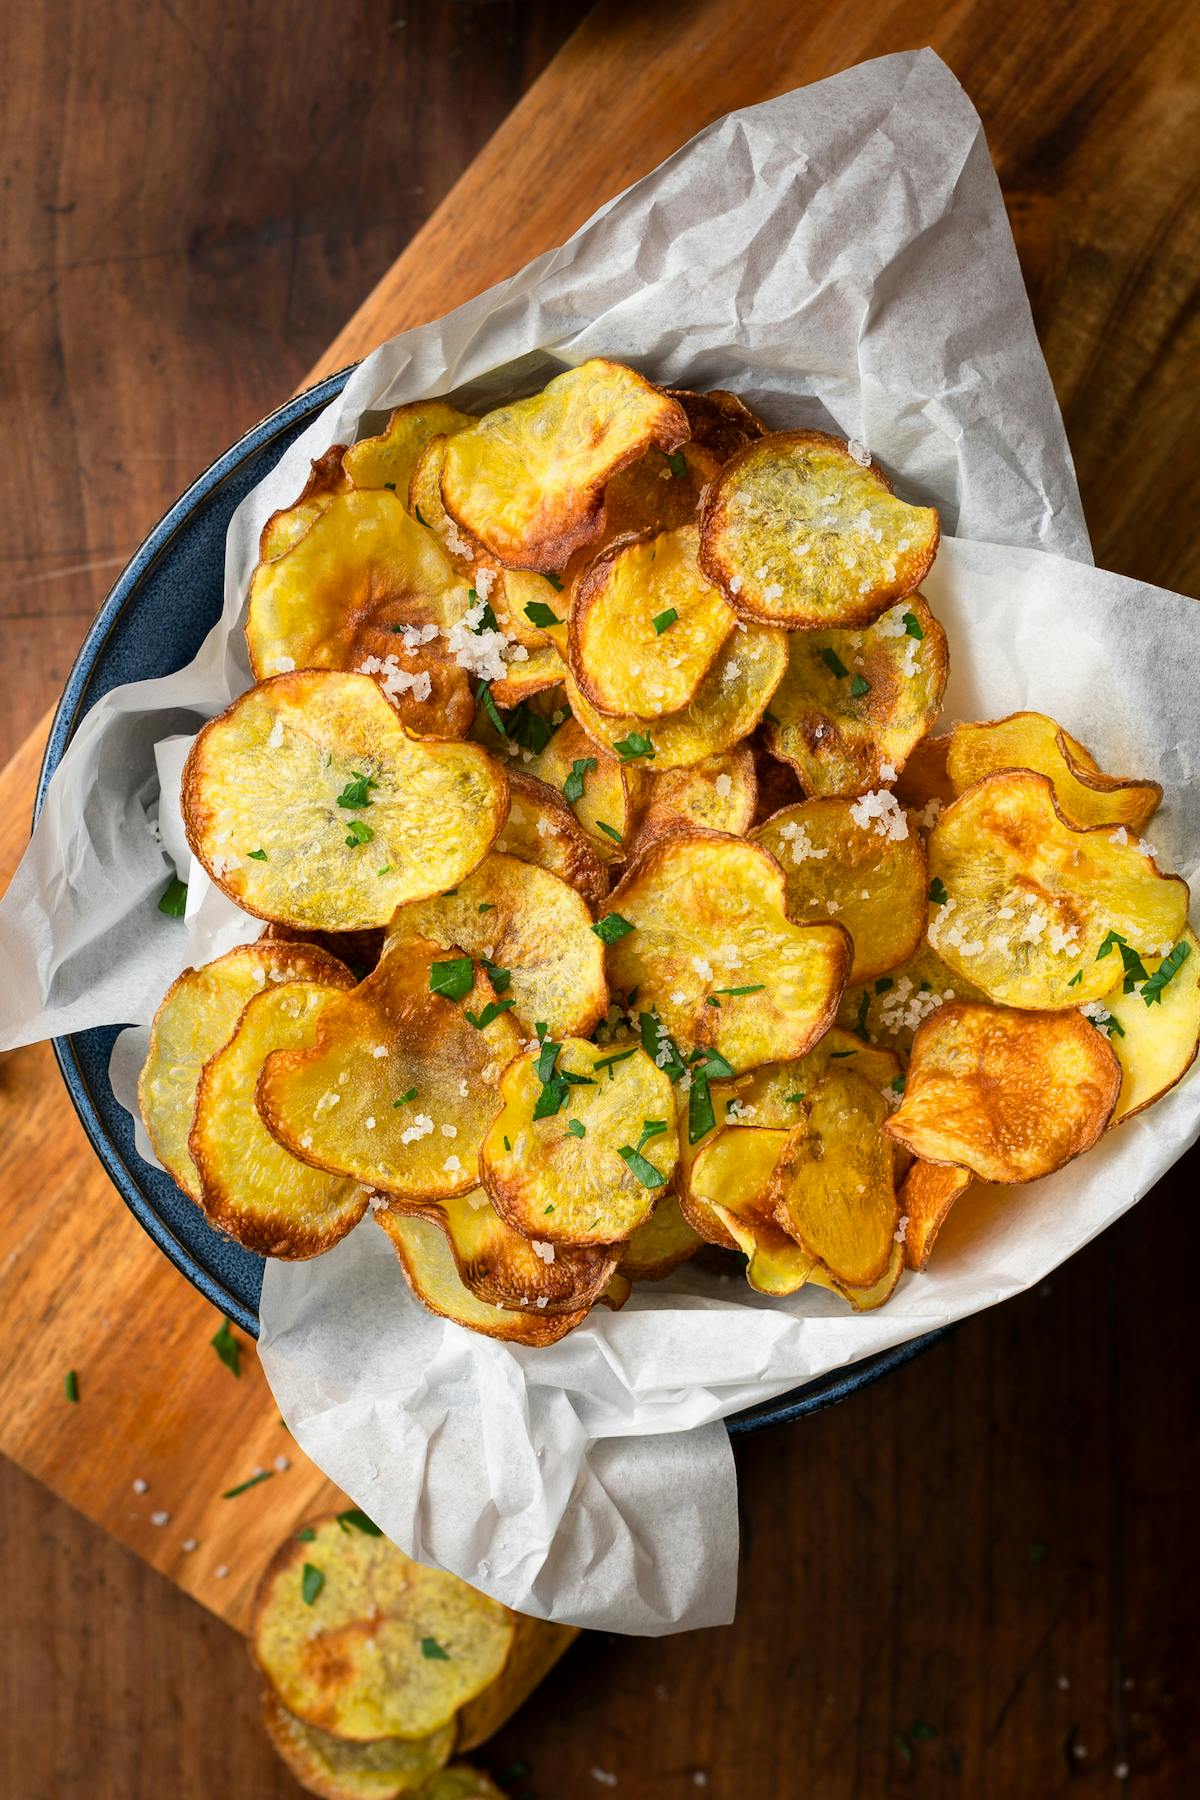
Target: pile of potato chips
620, 904
378, 1671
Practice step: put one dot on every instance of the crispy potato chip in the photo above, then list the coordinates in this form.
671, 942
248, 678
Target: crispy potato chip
527, 481
542, 828
537, 1645
285, 528
425, 1256
646, 625
730, 1192
834, 1187
661, 1245
718, 794
926, 1199
721, 423
865, 1299
396, 1086
1029, 740
797, 532
561, 1185
461, 1782
725, 708
516, 917
606, 802
889, 1009
1025, 904
772, 1096
354, 1659
329, 1767
853, 704
501, 1267
388, 461
840, 863
541, 667
1156, 1043
1008, 1095
367, 588
250, 1187
195, 1017
923, 785
656, 493
710, 925
425, 505
309, 804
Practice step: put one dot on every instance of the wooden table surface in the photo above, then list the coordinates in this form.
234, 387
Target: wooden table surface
976, 1577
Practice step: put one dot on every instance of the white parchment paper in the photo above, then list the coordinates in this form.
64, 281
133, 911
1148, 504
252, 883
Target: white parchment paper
840, 257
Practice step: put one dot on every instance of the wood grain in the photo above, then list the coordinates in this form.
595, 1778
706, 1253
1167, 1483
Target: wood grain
891, 1573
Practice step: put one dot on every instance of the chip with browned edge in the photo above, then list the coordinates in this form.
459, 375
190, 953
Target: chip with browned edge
501, 1267
1030, 740
328, 1766
388, 460
834, 1187
926, 1200
721, 423
423, 1250
542, 828
718, 794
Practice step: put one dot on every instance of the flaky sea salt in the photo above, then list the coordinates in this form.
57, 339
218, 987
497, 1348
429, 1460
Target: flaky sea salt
882, 813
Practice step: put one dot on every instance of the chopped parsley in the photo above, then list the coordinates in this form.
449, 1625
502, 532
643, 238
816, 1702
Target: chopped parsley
420, 518
311, 1582
618, 1056
701, 1117
242, 1486
1076, 978
577, 1128
409, 1094
541, 615
859, 686
711, 1000
554, 581
883, 984
937, 891
612, 928
385, 870
656, 1042
358, 834
354, 1519
677, 463
453, 979
529, 729
228, 1348
491, 1011
913, 627
636, 744
306, 1536
796, 1097
1131, 962
771, 718
755, 988
860, 1024
486, 906
483, 694
573, 785
609, 831
663, 620
1152, 990
834, 663
1110, 1026
71, 1387
432, 1650
651, 1128
556, 1084
841, 1055
897, 1084
173, 901
357, 792
258, 856
501, 979
645, 1171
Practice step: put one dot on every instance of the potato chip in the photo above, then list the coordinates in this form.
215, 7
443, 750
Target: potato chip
730, 1194
721, 423
537, 1645
1035, 911
250, 1187
195, 1017
396, 1087
889, 1009
427, 1261
367, 588
388, 460
527, 481
384, 1769
834, 1186
1156, 1042
923, 784
520, 919
661, 1245
853, 704
309, 804
542, 828
772, 1096
864, 1299
535, 665
425, 505
714, 955
718, 794
461, 1782
655, 494
926, 1199
381, 1646
1029, 740
285, 528
646, 625
500, 1266
840, 864
725, 708
571, 1157
600, 791
796, 531
1008, 1095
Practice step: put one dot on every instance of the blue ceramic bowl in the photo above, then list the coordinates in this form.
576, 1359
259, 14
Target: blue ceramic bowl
152, 623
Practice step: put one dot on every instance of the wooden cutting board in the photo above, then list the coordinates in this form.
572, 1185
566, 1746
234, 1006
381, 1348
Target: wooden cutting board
83, 1288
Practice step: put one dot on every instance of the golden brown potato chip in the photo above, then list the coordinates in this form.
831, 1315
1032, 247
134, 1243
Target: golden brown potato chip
646, 625
250, 1187
889, 1009
923, 784
654, 494
425, 505
721, 423
797, 531
1156, 1042
542, 828
367, 588
515, 594
718, 794
571, 1158
848, 860
602, 793
353, 1657
1029, 740
730, 1194
388, 460
658, 1247
710, 924
461, 1782
725, 708
195, 1017
501, 1267
423, 1251
864, 1299
853, 704
834, 1187
286, 527
396, 1086
536, 1647
616, 1293
309, 804
1035, 911
335, 1770
1008, 1095
520, 919
527, 481
772, 1097
926, 1199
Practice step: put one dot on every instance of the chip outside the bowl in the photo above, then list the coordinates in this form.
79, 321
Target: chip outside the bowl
797, 531
333, 1769
1030, 740
310, 805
